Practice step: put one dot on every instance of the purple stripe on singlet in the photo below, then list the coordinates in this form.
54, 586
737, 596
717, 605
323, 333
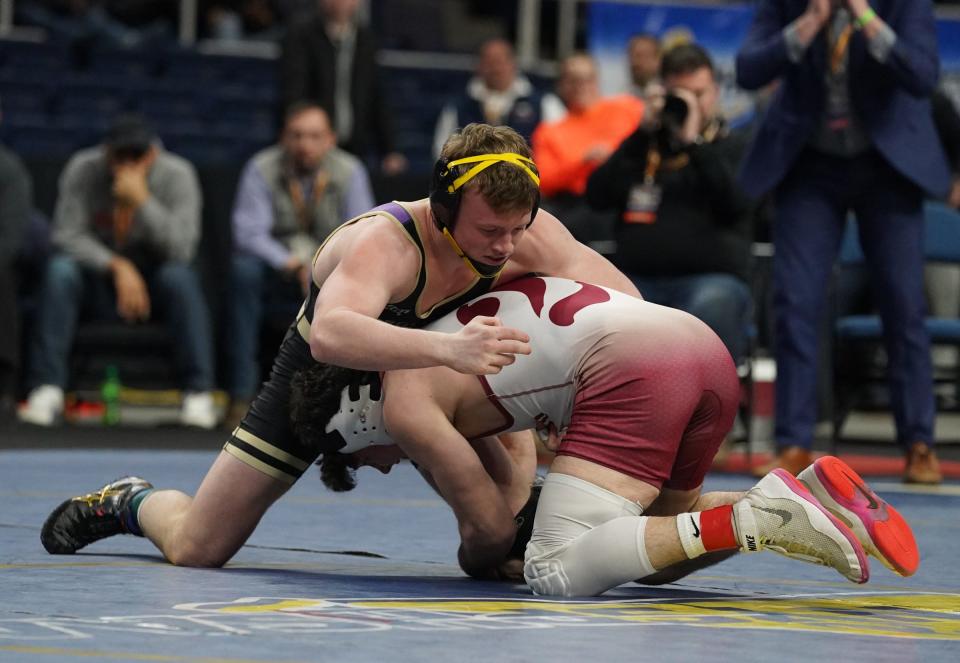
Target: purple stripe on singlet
397, 210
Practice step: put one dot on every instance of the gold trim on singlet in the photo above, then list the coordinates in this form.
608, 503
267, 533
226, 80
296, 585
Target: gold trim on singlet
426, 277
303, 326
426, 314
258, 464
269, 449
304, 330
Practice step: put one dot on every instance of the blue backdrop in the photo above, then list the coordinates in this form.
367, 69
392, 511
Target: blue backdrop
720, 30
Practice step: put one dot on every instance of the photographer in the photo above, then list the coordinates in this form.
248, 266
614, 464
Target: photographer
683, 232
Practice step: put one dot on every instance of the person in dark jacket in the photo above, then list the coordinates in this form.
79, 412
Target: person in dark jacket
330, 59
683, 235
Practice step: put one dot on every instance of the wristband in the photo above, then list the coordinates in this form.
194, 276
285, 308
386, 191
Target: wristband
864, 18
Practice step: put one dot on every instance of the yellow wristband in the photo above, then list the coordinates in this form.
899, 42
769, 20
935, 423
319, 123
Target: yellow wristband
864, 18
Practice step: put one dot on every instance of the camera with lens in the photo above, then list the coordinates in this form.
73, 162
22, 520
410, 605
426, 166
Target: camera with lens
672, 116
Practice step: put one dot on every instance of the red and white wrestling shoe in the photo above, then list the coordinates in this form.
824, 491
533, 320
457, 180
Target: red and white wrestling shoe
882, 531
781, 515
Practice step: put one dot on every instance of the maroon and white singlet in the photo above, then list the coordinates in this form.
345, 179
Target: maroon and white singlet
640, 388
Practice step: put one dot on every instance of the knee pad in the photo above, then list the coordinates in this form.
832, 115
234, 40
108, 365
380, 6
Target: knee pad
585, 541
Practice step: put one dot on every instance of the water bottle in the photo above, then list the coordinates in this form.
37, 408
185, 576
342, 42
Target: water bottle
110, 392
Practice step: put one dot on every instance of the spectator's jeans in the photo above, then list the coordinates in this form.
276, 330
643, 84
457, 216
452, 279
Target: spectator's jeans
723, 301
69, 289
254, 287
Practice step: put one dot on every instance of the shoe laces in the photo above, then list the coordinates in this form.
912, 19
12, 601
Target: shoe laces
98, 497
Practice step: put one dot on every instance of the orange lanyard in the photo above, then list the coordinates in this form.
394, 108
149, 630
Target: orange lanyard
653, 164
299, 200
840, 45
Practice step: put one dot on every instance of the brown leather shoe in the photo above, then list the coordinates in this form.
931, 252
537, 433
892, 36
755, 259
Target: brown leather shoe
793, 459
922, 465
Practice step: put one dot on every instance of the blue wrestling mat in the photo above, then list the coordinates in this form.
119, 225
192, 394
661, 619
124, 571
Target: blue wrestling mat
371, 576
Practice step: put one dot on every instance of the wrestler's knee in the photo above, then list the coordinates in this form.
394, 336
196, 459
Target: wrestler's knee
198, 553
544, 573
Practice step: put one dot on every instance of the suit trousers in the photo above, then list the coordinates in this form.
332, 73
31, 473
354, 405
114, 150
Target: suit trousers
812, 203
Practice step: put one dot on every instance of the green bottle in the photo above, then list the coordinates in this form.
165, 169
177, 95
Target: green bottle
110, 392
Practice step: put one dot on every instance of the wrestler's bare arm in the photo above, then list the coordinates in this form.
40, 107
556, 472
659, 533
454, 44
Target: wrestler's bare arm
551, 250
422, 428
510, 476
372, 266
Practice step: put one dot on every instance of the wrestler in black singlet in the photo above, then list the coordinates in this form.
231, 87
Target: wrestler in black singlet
265, 439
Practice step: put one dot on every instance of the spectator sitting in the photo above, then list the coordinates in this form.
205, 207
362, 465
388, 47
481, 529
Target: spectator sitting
683, 231
569, 149
497, 95
15, 205
127, 225
290, 197
330, 59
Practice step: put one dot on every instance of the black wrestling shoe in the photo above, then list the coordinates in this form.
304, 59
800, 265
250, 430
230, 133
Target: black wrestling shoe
82, 520
524, 521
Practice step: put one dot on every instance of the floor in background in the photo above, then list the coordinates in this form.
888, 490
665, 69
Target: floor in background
371, 576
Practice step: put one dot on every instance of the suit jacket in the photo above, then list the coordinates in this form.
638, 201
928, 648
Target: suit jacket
308, 73
891, 99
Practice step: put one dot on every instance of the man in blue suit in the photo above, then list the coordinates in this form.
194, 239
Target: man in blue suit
849, 128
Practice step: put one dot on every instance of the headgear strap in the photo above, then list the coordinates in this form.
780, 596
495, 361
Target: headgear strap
445, 195
484, 161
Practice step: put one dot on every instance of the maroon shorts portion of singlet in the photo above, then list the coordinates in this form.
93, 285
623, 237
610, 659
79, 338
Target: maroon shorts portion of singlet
655, 406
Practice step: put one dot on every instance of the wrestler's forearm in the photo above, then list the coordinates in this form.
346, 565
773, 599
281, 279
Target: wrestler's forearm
511, 461
511, 472
353, 340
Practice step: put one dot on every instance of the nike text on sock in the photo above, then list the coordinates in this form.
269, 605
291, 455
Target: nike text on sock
746, 529
706, 531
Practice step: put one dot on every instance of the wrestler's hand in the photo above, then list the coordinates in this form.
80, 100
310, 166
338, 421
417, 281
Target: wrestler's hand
484, 346
133, 299
509, 571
